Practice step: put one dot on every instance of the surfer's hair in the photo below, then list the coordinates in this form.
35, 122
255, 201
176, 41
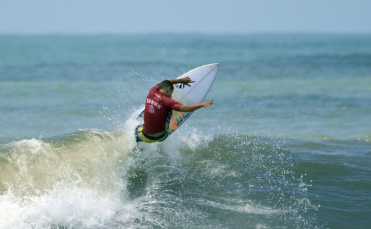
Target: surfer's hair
165, 84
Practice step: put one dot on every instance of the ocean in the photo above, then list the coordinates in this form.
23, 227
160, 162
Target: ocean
287, 143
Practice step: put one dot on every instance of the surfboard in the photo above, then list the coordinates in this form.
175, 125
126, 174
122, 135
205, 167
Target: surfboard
204, 78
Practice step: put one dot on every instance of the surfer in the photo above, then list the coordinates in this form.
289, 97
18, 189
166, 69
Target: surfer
158, 108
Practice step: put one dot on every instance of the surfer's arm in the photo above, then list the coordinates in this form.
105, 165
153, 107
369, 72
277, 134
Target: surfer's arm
185, 80
193, 107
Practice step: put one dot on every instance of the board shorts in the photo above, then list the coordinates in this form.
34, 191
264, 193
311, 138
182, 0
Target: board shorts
143, 137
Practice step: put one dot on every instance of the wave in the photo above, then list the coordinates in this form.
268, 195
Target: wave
103, 179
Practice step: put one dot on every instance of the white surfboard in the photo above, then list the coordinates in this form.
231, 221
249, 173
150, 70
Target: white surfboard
204, 77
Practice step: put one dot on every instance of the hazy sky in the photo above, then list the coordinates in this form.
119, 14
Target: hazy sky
184, 16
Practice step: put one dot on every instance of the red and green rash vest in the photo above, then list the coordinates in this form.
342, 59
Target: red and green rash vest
156, 110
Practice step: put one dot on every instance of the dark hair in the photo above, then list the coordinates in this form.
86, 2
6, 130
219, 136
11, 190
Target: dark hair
165, 84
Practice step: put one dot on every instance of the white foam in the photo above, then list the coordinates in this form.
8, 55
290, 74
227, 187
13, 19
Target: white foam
61, 206
74, 182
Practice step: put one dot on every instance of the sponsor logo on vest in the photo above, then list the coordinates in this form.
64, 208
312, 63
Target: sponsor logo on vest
151, 109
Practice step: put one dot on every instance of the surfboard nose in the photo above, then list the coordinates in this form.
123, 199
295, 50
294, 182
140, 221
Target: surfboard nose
213, 66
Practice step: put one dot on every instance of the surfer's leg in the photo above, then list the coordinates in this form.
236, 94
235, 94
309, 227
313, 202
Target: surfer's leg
137, 130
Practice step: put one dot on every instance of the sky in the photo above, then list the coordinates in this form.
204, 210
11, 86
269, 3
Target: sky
184, 16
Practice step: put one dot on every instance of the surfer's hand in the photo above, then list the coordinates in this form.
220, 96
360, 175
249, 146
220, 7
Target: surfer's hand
187, 81
207, 104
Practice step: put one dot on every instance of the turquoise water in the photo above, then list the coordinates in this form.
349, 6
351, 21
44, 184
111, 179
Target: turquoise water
286, 144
